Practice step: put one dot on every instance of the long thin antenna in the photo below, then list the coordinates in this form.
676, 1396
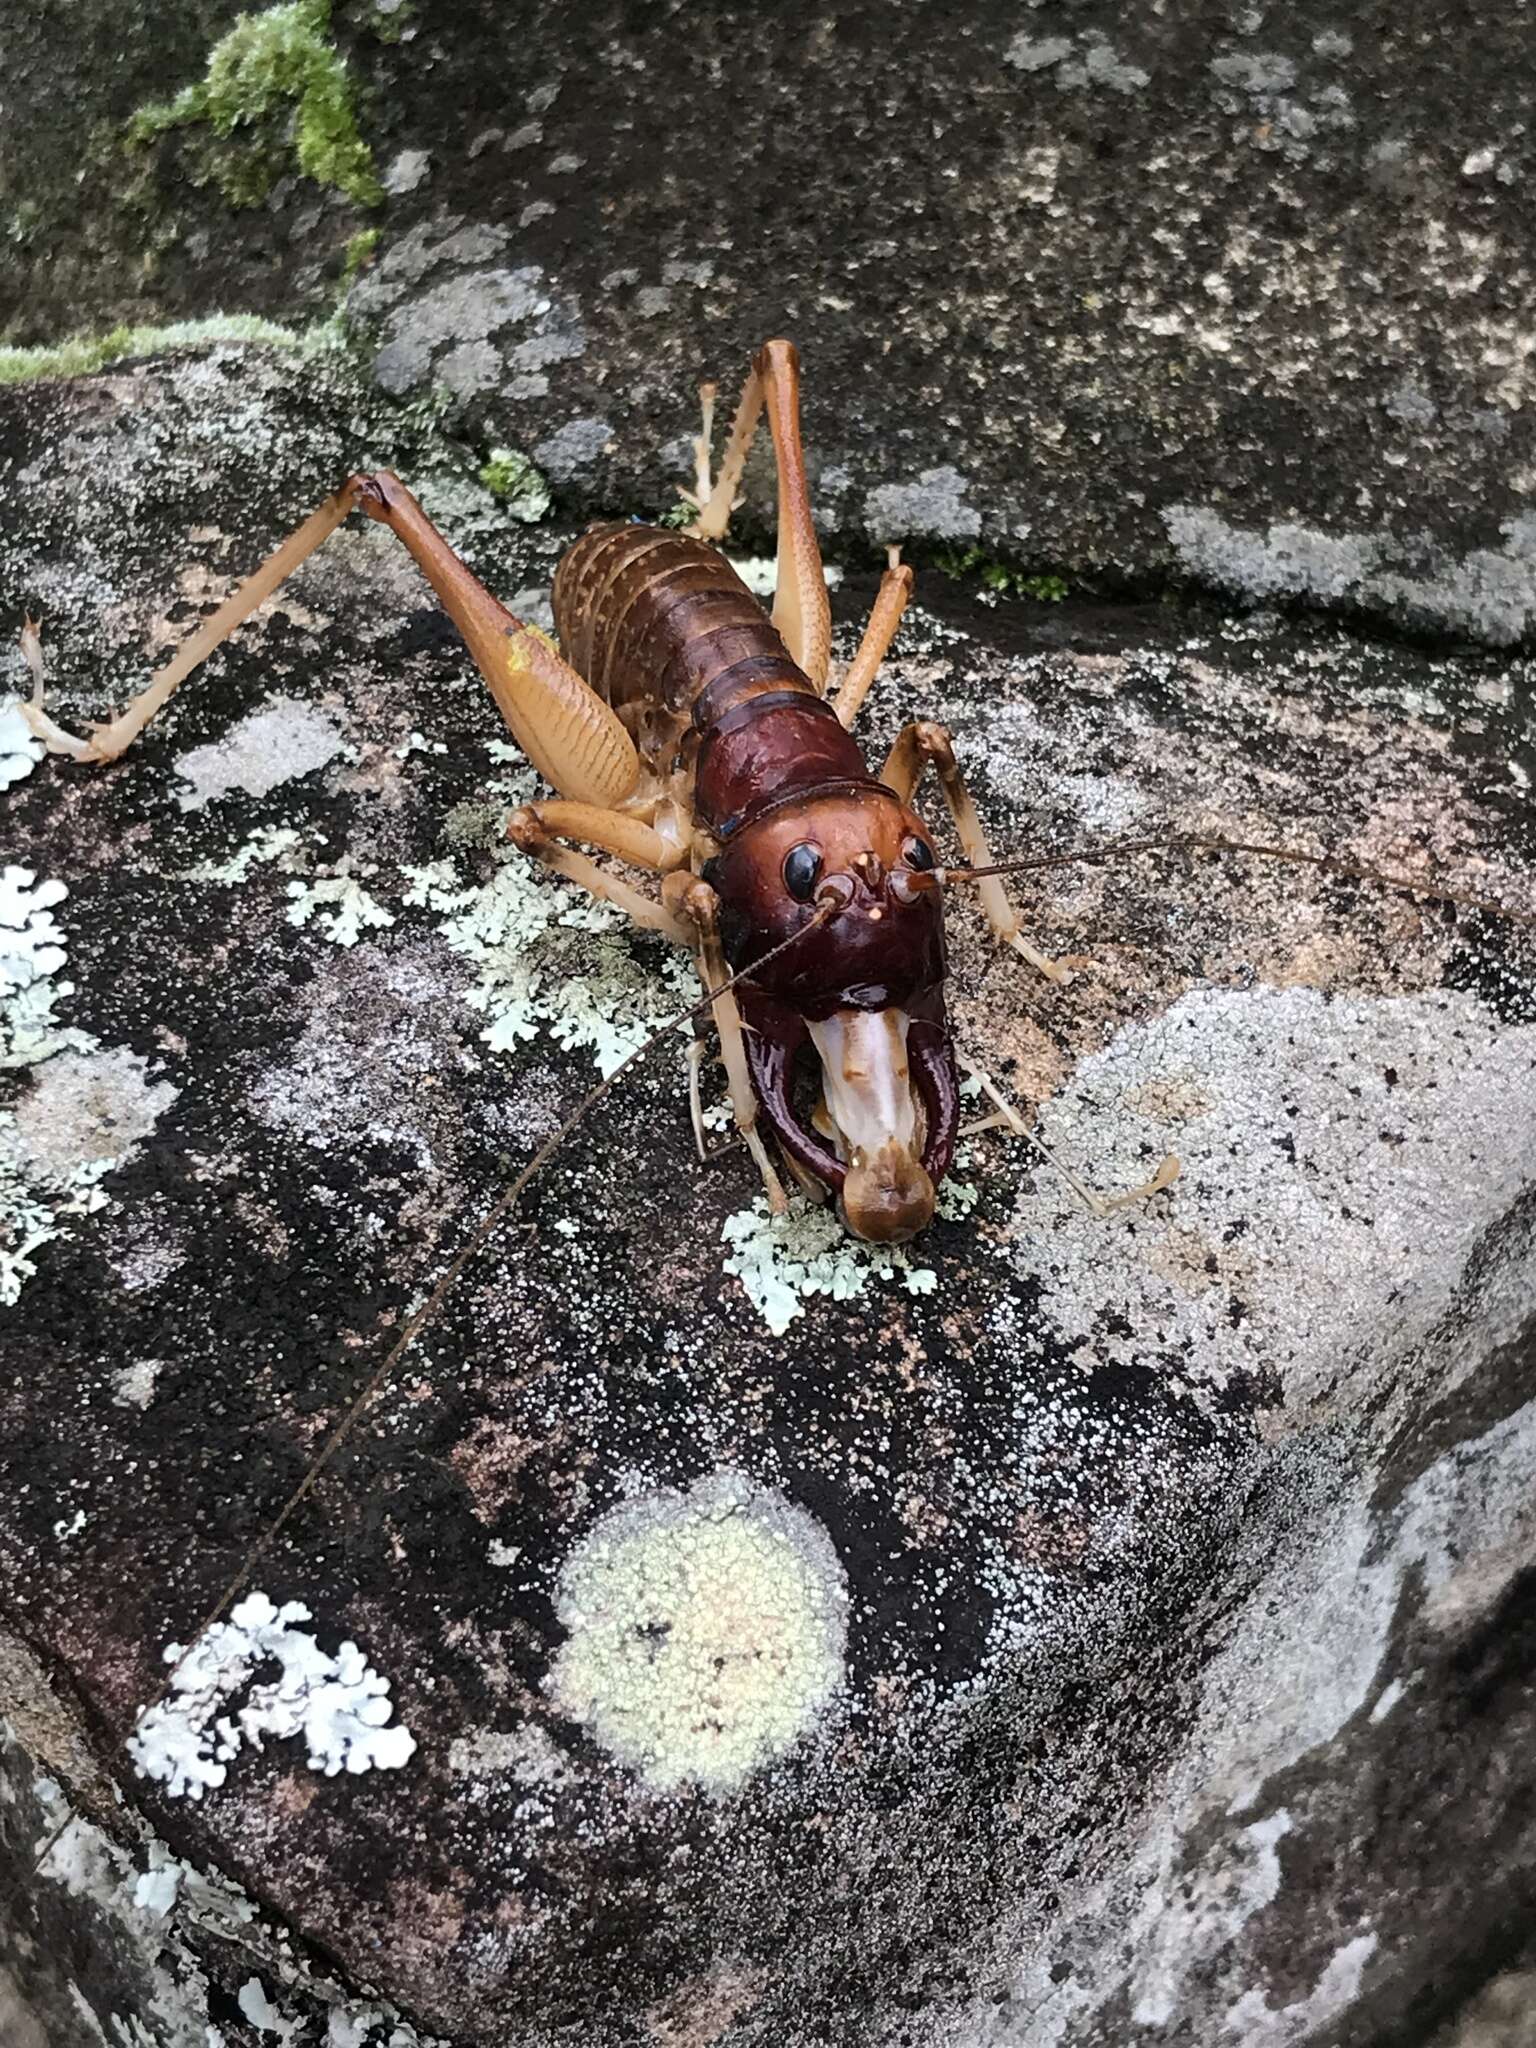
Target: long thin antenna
1199, 843
376, 1382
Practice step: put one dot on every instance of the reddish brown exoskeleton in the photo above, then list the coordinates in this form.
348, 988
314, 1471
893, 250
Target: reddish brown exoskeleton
690, 734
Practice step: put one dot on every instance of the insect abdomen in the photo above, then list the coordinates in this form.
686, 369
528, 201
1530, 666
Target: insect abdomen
650, 616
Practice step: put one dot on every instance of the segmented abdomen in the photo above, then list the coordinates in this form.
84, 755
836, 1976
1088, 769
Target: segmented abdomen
653, 617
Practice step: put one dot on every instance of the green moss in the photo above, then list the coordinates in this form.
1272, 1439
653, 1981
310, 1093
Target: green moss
977, 564
359, 254
83, 353
517, 483
275, 91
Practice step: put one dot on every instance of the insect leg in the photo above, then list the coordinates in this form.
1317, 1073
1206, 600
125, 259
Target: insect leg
695, 900
107, 740
567, 731
916, 746
801, 611
538, 828
890, 602
703, 441
1095, 1203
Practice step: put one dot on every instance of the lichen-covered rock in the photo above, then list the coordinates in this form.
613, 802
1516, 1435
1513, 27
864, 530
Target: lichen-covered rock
1234, 295
1065, 1632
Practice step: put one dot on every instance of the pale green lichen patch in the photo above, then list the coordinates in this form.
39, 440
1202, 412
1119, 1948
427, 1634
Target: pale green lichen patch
268, 843
341, 906
705, 1632
547, 957
83, 353
276, 90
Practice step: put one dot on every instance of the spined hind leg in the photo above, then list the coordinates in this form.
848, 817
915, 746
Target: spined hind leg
801, 611
569, 734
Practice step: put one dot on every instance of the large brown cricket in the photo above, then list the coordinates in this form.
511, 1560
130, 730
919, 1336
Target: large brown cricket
689, 734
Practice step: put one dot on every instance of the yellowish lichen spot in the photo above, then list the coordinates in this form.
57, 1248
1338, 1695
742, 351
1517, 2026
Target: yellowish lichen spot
706, 1632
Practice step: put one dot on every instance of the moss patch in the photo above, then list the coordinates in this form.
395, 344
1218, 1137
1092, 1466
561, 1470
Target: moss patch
275, 91
998, 576
357, 256
518, 483
82, 353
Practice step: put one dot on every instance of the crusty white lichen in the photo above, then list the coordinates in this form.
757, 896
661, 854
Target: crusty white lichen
1489, 593
277, 742
338, 1704
156, 1913
35, 1208
1328, 1147
782, 1261
705, 1632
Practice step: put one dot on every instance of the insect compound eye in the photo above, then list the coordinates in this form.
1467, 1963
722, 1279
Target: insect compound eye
917, 853
802, 864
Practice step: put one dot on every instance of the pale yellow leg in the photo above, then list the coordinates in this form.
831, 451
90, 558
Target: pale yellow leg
615, 832
108, 740
567, 731
695, 900
537, 829
1095, 1203
890, 602
703, 483
695, 1058
801, 610
916, 746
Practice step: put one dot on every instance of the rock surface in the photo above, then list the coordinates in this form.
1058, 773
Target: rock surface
1073, 1633
1227, 295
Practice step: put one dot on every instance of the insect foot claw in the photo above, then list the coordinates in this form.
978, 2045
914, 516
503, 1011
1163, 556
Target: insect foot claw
688, 897
526, 830
96, 746
1062, 972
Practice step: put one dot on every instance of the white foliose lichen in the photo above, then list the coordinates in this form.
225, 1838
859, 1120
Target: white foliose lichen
267, 843
338, 1704
705, 1632
342, 906
43, 1187
782, 1261
20, 748
32, 951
